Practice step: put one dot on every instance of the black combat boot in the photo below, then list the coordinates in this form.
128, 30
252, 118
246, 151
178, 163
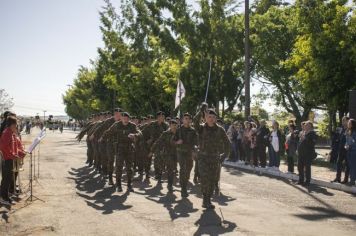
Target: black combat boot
184, 192
118, 185
170, 185
195, 180
205, 202
210, 205
111, 182
129, 186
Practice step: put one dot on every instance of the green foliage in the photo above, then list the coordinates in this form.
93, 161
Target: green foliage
304, 52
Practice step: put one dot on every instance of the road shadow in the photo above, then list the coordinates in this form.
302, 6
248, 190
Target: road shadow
324, 213
210, 223
91, 187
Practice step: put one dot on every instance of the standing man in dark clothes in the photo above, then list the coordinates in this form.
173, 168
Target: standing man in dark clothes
262, 142
342, 158
306, 154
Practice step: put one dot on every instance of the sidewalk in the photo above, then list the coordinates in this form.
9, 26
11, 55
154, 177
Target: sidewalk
320, 175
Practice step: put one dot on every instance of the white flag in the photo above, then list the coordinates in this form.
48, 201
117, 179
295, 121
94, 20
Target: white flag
180, 94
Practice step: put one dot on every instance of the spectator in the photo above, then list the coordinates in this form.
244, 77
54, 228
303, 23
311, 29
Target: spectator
253, 145
246, 141
9, 147
335, 142
351, 149
232, 134
275, 146
262, 142
306, 153
240, 134
3, 123
291, 147
342, 157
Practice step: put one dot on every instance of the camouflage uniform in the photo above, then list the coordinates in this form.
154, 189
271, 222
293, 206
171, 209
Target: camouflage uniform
79, 137
95, 145
213, 142
165, 148
151, 133
119, 132
185, 154
105, 146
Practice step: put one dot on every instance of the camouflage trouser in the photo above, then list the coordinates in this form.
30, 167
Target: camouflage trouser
111, 158
103, 156
185, 161
89, 152
208, 170
96, 153
125, 156
139, 159
147, 161
170, 161
159, 164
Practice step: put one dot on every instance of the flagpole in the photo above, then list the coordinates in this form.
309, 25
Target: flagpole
179, 110
207, 86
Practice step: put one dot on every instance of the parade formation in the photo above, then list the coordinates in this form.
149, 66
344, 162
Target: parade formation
118, 141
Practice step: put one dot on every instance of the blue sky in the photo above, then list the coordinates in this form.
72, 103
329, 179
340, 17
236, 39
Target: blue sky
42, 45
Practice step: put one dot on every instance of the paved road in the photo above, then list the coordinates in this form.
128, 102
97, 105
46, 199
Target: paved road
77, 202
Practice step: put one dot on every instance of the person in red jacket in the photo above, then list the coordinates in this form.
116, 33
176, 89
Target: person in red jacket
11, 148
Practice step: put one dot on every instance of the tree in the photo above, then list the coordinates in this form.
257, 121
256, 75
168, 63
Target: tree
323, 54
273, 41
6, 102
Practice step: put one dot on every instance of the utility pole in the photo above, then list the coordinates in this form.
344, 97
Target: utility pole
247, 59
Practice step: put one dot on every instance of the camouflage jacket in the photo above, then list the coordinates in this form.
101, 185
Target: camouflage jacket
153, 131
118, 134
85, 130
164, 144
189, 137
212, 140
100, 129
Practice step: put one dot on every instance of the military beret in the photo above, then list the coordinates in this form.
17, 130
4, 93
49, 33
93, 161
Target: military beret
160, 113
173, 121
168, 118
211, 112
118, 109
125, 114
188, 115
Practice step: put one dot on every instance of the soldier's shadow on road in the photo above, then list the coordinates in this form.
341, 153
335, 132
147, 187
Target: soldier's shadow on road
210, 223
91, 187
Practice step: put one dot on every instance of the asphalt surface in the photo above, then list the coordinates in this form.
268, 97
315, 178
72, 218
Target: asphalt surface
78, 202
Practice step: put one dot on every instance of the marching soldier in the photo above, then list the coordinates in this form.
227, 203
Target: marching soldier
213, 145
125, 132
166, 148
94, 142
83, 132
110, 149
151, 133
95, 136
185, 139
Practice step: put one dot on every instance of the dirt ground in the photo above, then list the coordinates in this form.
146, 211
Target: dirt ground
78, 202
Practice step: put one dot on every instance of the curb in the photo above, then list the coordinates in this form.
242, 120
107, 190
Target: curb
294, 177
